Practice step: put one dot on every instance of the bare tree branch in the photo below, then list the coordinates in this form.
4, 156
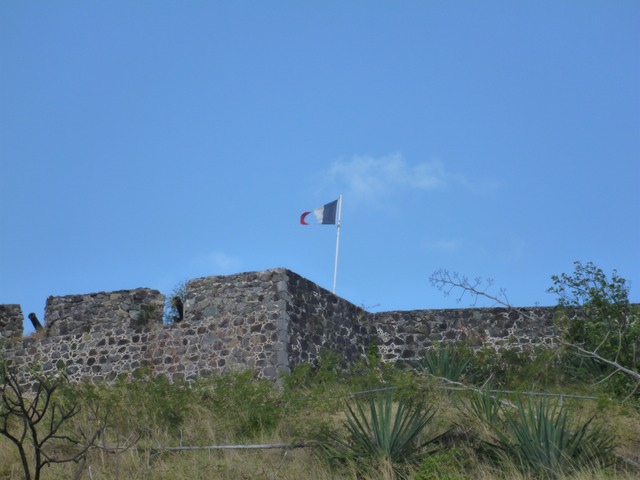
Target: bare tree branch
40, 418
618, 368
477, 288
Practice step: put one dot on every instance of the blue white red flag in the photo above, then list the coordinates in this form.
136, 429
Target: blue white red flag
325, 215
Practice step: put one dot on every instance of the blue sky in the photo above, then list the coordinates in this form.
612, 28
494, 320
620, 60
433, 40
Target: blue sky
146, 143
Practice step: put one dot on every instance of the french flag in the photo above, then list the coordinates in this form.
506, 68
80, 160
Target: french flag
325, 215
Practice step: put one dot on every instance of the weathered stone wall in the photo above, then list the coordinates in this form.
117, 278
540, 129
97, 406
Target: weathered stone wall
11, 321
73, 314
319, 320
264, 321
408, 335
247, 311
185, 350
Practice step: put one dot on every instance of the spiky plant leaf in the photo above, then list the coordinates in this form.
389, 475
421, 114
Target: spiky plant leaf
382, 431
543, 440
444, 362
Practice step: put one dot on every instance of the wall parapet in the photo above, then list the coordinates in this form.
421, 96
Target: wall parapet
407, 335
73, 314
267, 321
11, 322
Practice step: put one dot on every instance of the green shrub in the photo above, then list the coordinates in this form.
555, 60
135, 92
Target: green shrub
250, 406
607, 323
141, 407
326, 371
528, 368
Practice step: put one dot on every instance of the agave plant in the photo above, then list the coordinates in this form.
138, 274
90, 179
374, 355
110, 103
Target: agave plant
485, 406
444, 362
383, 432
543, 440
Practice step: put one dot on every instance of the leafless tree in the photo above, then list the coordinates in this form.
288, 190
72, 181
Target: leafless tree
32, 418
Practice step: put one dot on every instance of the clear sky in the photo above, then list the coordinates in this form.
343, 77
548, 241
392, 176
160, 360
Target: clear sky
144, 143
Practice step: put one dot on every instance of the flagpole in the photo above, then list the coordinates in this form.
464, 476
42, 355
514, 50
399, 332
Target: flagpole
335, 267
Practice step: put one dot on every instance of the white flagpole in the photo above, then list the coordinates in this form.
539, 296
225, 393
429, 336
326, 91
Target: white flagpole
335, 267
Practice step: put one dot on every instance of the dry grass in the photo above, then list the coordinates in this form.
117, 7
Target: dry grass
293, 464
203, 425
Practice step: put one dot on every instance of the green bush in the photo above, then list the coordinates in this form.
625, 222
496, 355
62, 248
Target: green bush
250, 406
527, 368
141, 407
326, 370
607, 324
329, 376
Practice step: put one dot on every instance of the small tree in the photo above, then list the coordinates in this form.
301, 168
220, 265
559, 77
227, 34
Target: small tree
33, 420
590, 288
608, 329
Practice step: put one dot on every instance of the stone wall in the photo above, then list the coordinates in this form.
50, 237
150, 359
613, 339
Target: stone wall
264, 321
246, 310
179, 351
11, 322
317, 319
408, 335
73, 314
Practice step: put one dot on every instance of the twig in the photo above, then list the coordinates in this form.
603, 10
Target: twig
288, 446
284, 455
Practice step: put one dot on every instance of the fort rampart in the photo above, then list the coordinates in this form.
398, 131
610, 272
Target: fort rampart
265, 321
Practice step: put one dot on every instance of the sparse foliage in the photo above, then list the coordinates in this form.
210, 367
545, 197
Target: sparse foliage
34, 421
251, 405
477, 288
170, 308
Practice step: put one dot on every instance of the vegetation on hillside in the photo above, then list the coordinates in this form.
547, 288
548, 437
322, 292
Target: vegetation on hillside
460, 413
